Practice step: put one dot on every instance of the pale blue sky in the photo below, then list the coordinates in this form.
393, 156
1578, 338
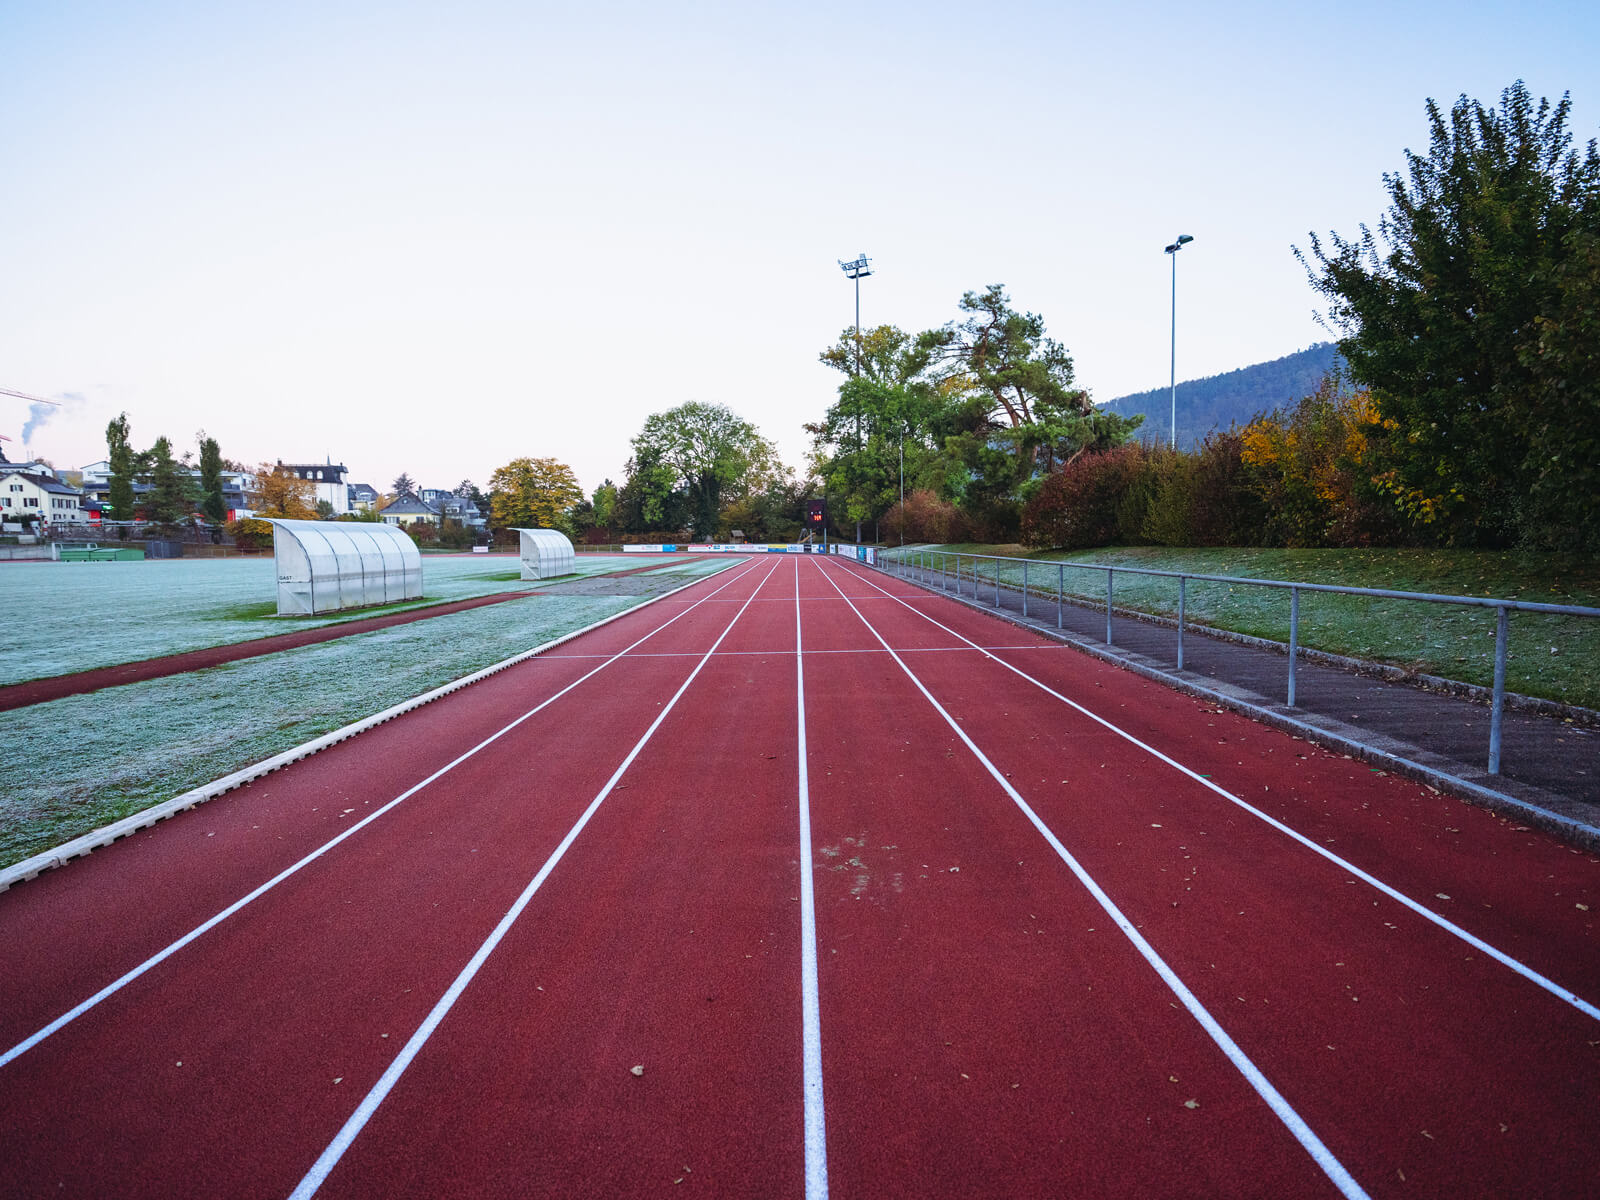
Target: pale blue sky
431, 238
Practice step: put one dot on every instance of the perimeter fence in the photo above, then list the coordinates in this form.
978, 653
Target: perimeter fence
1029, 586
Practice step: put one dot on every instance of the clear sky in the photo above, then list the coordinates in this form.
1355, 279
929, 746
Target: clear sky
431, 238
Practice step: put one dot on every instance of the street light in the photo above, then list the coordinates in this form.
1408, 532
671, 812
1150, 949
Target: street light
1183, 240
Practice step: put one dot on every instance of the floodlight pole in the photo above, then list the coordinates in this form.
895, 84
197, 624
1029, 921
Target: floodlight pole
855, 270
1182, 240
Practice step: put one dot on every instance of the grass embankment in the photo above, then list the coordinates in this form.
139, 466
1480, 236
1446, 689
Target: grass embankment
1553, 657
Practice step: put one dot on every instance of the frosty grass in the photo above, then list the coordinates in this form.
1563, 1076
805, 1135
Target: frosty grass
81, 762
86, 615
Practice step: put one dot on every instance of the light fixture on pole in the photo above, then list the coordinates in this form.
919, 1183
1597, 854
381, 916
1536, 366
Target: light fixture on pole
855, 270
1183, 240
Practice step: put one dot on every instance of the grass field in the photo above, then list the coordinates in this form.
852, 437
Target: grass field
84, 761
1549, 656
86, 615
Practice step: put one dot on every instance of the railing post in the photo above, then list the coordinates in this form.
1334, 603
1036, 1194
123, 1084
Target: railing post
1294, 636
1182, 597
997, 583
1109, 573
1024, 589
1498, 705
1061, 573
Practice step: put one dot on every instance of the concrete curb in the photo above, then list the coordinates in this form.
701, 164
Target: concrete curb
1537, 808
60, 855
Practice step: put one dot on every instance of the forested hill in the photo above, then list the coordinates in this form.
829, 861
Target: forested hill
1235, 398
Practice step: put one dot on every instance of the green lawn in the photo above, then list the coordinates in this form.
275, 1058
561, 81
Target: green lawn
1554, 657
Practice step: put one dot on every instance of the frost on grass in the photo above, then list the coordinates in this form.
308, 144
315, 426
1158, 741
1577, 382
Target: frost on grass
89, 760
86, 615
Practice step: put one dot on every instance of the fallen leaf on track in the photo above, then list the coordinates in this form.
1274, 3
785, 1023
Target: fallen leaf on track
637, 1070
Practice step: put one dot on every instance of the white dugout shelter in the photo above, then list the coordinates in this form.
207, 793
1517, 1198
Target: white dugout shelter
546, 554
325, 566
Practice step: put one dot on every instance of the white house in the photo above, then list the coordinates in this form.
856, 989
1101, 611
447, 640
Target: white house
42, 497
330, 481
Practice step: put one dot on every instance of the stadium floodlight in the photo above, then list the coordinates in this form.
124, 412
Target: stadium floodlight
856, 270
1183, 240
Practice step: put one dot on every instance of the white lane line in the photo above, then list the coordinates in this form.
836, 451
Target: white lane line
369, 1105
161, 956
1422, 910
1296, 1125
810, 1003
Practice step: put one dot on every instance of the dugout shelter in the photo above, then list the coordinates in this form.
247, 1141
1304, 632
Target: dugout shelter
325, 566
546, 553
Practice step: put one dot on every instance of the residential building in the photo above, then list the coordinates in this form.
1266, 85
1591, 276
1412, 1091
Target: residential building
238, 491
452, 507
329, 478
364, 496
408, 510
42, 497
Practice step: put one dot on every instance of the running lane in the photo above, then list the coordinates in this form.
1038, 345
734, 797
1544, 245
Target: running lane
640, 1025
1423, 1062
986, 1030
226, 1068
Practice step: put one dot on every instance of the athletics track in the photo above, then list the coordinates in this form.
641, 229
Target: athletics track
896, 916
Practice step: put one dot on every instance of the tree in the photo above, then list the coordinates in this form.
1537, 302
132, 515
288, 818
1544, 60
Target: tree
1457, 323
168, 501
211, 503
403, 486
120, 456
882, 419
702, 451
284, 494
533, 493
1004, 357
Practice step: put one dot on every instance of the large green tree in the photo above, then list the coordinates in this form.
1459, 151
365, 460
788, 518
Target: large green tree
1470, 315
211, 501
534, 493
169, 499
881, 422
123, 462
705, 453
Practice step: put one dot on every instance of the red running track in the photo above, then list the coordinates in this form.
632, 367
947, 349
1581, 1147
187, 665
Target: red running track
1074, 935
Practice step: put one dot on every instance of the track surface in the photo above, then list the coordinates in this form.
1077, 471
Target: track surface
1047, 960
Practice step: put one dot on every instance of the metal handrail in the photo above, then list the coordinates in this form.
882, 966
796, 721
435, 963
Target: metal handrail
919, 559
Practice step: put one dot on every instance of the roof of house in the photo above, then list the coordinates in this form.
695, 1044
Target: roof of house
45, 482
409, 504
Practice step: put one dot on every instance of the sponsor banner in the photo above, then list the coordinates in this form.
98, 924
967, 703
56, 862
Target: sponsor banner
648, 549
866, 554
746, 548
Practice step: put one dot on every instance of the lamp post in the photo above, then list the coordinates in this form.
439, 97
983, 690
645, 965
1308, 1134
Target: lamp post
1183, 240
902, 483
856, 270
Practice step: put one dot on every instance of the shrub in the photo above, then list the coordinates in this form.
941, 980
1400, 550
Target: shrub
1078, 506
249, 533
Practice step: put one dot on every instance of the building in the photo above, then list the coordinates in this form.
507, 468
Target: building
42, 498
329, 478
408, 510
238, 490
364, 496
452, 507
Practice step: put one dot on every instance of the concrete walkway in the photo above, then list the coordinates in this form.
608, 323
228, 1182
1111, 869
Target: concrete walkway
1550, 757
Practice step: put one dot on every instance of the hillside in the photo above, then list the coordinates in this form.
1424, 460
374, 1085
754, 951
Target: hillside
1235, 398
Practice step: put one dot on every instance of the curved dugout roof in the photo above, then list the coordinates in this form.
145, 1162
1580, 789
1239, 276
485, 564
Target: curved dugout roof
546, 554
325, 566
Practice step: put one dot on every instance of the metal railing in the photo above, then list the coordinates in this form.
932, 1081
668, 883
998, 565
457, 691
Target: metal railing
943, 569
